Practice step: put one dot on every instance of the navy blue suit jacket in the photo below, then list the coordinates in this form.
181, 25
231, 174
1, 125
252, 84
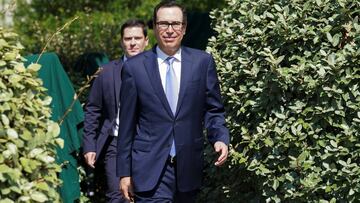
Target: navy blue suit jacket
101, 108
147, 124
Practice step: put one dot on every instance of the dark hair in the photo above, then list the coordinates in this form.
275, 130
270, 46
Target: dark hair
134, 23
169, 4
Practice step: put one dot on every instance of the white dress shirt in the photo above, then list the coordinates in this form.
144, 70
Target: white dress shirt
161, 57
116, 127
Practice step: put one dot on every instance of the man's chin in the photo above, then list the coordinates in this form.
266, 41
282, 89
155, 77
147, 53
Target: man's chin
133, 54
171, 45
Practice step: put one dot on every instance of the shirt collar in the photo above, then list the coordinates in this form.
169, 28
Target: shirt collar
162, 56
125, 58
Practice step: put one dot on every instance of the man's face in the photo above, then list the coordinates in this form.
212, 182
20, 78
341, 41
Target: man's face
133, 41
170, 29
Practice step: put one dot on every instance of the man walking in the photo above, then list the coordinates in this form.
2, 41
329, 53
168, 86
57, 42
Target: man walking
101, 112
168, 95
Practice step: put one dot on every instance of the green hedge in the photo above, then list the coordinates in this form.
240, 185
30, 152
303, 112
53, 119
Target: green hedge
28, 172
290, 75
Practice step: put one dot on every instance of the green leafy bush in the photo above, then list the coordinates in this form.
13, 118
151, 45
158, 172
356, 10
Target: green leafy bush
28, 172
290, 75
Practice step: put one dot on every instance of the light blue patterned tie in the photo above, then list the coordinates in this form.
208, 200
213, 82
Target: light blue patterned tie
172, 92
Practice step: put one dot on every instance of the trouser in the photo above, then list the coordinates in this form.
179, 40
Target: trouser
166, 191
113, 194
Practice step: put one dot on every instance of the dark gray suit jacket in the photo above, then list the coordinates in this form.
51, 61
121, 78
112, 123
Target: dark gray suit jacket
101, 108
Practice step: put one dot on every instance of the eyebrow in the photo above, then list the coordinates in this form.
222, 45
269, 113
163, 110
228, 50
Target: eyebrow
165, 21
133, 37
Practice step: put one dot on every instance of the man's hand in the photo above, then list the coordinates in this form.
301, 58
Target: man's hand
222, 149
126, 188
90, 159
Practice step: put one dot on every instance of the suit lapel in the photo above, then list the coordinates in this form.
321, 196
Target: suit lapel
186, 72
152, 69
117, 80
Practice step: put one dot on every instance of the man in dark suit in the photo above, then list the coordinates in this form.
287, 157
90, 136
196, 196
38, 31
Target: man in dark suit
168, 95
101, 112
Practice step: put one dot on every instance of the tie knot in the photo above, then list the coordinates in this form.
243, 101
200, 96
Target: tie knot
169, 60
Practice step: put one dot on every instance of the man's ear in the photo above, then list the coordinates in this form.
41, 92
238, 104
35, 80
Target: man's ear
146, 41
184, 29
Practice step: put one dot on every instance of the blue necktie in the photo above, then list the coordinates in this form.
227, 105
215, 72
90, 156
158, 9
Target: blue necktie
172, 92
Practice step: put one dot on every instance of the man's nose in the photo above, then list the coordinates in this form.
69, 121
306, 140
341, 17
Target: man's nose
170, 29
133, 41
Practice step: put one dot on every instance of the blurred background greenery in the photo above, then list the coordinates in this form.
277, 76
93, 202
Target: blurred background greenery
98, 27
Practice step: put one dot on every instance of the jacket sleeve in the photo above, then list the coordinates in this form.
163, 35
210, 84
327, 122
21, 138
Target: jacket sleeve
127, 122
93, 110
214, 111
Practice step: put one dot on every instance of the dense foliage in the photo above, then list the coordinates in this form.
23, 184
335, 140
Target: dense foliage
96, 30
290, 75
28, 172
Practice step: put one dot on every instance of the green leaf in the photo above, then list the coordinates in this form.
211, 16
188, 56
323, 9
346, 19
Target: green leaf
12, 133
5, 191
38, 196
280, 115
277, 7
333, 143
278, 60
302, 156
34, 67
35, 152
9, 56
331, 59
257, 18
53, 129
321, 72
321, 143
351, 192
275, 184
42, 186
268, 142
5, 120
7, 200
60, 142
25, 164
5, 169
24, 198
329, 37
15, 78
336, 40
343, 163
3, 43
